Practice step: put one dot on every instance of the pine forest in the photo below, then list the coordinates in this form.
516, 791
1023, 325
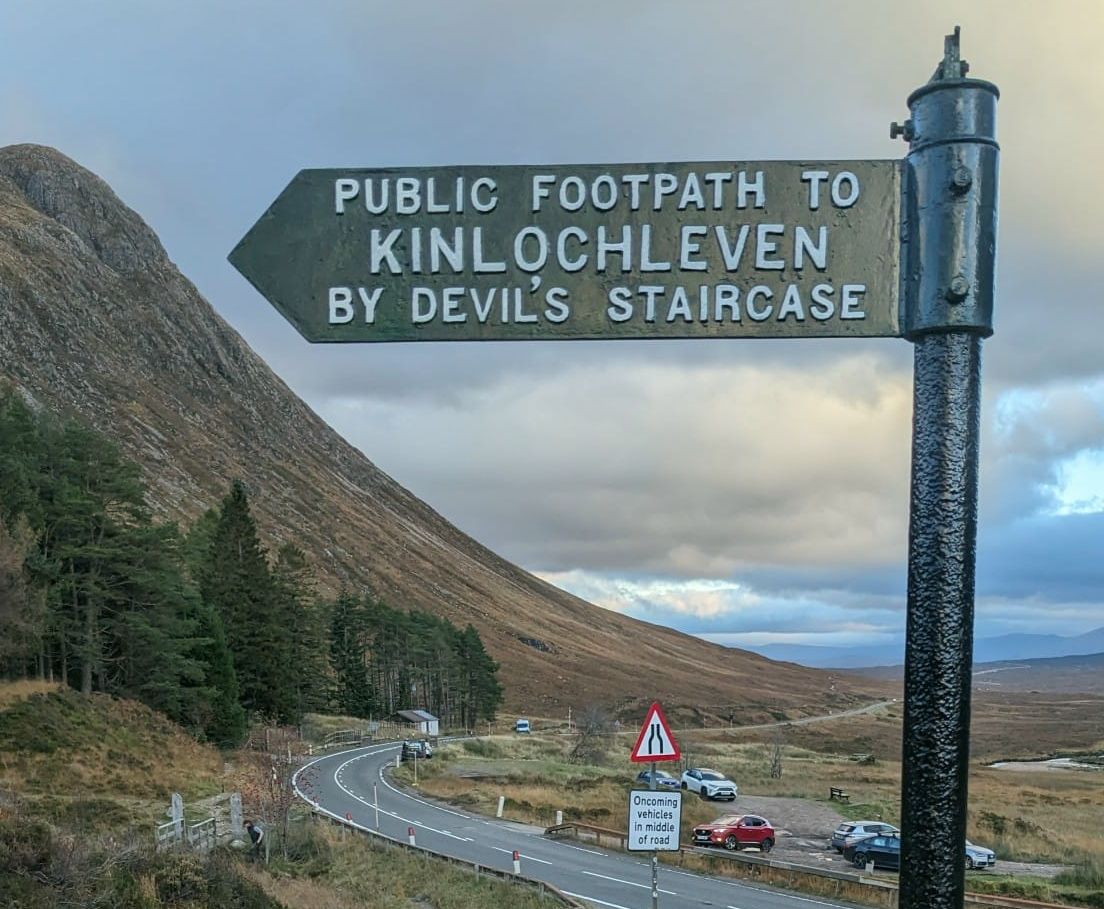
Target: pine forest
202, 624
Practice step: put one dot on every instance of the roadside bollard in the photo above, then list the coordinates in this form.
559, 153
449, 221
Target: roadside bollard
410, 835
517, 862
398, 760
559, 818
501, 805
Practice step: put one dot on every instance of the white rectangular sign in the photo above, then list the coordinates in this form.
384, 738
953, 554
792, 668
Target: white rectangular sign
654, 821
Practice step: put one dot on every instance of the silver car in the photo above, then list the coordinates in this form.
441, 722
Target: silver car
979, 856
852, 831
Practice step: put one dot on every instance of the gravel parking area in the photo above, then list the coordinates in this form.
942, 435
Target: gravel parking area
805, 826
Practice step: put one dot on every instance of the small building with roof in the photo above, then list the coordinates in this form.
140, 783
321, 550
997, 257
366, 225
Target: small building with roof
422, 720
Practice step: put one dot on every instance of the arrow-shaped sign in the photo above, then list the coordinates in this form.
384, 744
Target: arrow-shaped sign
655, 742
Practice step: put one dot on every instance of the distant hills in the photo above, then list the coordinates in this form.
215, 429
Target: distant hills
986, 650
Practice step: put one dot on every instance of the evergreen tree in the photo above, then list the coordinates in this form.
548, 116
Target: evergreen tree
296, 604
220, 716
237, 582
353, 694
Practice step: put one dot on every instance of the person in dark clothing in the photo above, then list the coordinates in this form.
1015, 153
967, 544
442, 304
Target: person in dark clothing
256, 836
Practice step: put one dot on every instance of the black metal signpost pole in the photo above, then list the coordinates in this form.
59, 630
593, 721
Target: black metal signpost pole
655, 854
949, 237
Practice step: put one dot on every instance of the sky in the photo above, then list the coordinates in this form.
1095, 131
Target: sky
748, 492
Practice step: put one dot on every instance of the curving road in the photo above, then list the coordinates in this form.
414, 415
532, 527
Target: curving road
343, 786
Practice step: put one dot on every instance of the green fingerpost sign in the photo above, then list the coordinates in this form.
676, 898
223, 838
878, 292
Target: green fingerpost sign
705, 250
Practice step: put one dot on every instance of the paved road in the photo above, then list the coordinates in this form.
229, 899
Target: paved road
822, 718
344, 784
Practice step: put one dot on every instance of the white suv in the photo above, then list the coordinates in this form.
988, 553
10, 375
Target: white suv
709, 784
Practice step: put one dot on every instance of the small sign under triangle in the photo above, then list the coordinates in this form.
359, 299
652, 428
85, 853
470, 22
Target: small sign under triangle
655, 742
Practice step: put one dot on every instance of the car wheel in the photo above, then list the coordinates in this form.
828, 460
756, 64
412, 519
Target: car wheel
859, 861
970, 863
703, 795
767, 845
730, 842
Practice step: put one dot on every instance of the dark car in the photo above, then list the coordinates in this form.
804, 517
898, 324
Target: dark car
850, 832
883, 851
416, 748
735, 831
663, 779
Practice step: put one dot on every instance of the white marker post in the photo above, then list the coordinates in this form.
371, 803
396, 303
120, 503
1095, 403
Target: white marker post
375, 802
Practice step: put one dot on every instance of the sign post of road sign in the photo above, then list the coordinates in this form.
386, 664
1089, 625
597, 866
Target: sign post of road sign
655, 741
654, 820
714, 250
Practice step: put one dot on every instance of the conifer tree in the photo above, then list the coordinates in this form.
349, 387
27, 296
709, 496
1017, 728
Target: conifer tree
220, 716
238, 583
297, 606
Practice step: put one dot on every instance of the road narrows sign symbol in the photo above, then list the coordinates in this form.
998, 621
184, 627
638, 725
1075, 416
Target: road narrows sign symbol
655, 742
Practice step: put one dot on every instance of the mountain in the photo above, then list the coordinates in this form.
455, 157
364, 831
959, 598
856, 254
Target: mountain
1073, 674
986, 650
825, 657
96, 320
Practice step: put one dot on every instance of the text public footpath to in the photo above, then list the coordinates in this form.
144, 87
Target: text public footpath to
655, 819
766, 249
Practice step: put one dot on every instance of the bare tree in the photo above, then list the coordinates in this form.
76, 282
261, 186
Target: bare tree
267, 780
776, 755
594, 725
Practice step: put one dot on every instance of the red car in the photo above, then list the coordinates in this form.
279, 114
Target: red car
735, 831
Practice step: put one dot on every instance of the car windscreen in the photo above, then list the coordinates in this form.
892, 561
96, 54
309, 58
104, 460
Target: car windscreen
710, 775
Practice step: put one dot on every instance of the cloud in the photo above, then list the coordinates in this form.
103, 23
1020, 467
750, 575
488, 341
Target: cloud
777, 471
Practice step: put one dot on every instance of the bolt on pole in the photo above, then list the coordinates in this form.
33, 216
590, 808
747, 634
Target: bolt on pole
948, 249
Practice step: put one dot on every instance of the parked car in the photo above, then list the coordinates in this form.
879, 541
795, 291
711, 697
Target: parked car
735, 831
979, 856
883, 851
419, 748
522, 726
663, 779
709, 784
852, 831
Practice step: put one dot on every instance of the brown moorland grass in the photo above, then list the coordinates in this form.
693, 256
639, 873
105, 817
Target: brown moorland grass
61, 745
352, 872
12, 692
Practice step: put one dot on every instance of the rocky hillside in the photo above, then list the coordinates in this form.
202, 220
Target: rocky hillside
95, 319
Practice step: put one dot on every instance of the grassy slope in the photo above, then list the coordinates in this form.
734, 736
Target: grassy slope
84, 779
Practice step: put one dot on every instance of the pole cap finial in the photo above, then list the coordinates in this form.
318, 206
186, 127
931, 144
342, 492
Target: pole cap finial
952, 66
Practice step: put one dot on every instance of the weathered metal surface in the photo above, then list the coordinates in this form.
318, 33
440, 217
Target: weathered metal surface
939, 637
948, 310
950, 235
728, 249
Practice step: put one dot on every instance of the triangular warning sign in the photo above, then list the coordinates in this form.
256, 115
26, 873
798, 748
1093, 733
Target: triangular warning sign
655, 742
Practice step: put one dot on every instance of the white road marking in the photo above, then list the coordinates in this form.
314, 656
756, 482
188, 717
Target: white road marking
591, 899
412, 798
577, 848
619, 880
413, 823
790, 896
527, 858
